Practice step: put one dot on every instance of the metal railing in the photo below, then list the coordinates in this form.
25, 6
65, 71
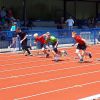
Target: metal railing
63, 35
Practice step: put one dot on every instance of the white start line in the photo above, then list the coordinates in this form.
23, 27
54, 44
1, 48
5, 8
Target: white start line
94, 97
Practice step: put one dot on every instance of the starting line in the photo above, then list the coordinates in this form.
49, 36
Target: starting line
94, 97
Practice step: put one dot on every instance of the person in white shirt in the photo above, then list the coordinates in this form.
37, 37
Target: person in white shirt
69, 22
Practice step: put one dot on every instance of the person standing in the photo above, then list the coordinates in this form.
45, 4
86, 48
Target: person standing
14, 36
23, 41
70, 22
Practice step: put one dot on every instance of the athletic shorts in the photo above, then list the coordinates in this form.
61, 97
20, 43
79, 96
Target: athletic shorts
55, 48
40, 45
81, 47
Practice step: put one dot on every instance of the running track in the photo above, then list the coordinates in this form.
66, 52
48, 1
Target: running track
38, 78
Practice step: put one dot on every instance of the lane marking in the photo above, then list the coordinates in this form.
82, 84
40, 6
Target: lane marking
29, 61
91, 97
60, 69
62, 89
48, 80
35, 66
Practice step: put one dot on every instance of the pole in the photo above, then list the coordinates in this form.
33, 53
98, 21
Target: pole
24, 12
64, 11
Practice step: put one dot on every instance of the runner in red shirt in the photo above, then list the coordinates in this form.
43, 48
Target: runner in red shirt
81, 46
40, 40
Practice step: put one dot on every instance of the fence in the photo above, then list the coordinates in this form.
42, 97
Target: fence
64, 36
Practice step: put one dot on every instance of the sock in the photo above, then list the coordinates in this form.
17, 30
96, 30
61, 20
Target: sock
80, 56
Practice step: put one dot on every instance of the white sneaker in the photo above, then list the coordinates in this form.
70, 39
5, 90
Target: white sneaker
56, 58
30, 54
8, 47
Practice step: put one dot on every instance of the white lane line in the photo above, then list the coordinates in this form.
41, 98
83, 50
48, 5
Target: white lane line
60, 69
16, 54
97, 96
58, 90
19, 53
35, 66
24, 62
28, 62
14, 59
48, 80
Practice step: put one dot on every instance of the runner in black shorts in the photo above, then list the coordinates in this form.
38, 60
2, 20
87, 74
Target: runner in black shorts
81, 46
23, 41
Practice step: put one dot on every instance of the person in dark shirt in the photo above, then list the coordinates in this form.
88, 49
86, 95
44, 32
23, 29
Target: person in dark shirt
23, 41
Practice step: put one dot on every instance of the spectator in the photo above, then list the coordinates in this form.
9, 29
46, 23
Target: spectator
3, 12
18, 22
69, 22
29, 23
3, 15
14, 36
10, 13
60, 23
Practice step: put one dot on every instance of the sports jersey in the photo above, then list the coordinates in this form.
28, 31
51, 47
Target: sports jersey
79, 40
41, 39
52, 39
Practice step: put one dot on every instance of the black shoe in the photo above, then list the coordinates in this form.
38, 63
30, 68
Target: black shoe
90, 55
47, 55
28, 55
81, 60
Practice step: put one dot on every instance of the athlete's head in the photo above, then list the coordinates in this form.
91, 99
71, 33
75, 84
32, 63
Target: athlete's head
18, 30
74, 34
35, 35
48, 34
